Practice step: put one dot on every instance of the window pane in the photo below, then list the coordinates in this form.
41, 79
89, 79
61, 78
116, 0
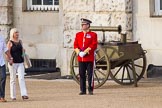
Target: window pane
36, 2
160, 4
56, 2
47, 2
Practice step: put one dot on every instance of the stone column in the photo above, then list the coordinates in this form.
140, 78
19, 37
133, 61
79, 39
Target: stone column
6, 15
101, 13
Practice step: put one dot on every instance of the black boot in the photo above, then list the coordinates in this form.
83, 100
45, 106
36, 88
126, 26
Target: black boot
82, 93
90, 90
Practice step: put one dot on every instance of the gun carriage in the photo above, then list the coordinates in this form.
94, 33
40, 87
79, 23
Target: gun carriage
122, 61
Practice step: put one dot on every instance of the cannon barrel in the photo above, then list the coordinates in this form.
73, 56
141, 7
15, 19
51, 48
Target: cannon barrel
106, 28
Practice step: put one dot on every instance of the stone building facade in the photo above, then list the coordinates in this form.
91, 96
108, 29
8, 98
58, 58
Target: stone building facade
101, 13
43, 35
50, 34
49, 37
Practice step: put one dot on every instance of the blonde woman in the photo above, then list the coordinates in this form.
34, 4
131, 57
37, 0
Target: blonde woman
15, 48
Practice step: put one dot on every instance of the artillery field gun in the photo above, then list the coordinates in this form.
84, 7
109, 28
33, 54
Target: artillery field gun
124, 62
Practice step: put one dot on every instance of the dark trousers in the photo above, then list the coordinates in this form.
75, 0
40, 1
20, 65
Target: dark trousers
2, 81
83, 67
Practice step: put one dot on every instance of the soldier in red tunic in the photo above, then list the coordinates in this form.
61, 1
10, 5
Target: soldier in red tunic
85, 44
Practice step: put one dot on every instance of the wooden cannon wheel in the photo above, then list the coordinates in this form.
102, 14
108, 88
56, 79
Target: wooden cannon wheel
101, 68
123, 74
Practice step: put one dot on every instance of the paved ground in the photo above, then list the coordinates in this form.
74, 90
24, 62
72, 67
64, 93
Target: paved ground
63, 93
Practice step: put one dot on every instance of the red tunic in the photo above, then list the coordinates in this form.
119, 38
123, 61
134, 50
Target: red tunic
84, 41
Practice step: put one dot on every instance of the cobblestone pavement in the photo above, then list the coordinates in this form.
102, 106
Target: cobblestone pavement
63, 93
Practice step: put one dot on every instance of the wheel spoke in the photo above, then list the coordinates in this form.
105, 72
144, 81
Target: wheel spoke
96, 77
123, 74
132, 71
128, 74
117, 71
100, 58
137, 75
130, 67
138, 65
101, 72
101, 65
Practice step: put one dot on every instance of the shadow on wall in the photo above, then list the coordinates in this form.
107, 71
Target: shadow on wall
42, 65
154, 71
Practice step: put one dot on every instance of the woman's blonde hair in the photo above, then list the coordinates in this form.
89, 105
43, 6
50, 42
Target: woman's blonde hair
12, 31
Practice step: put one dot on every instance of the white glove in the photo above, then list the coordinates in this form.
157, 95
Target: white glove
82, 54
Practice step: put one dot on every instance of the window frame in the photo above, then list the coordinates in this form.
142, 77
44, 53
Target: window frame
31, 7
158, 11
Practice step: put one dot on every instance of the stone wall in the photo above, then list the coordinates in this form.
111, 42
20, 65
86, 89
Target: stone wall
6, 14
57, 32
101, 13
40, 32
147, 30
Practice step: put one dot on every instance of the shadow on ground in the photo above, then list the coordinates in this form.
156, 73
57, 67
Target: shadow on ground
47, 75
